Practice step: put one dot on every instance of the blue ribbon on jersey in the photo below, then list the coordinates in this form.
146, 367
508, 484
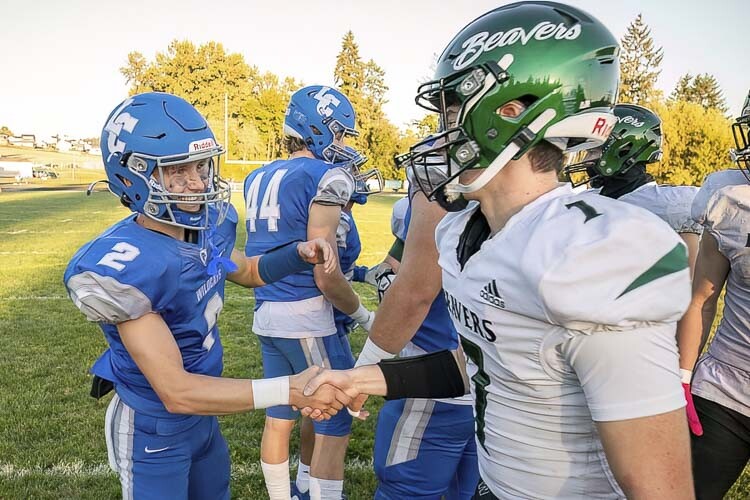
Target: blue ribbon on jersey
216, 259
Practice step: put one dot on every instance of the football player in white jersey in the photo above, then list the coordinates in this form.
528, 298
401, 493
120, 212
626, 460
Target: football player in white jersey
721, 383
618, 170
568, 319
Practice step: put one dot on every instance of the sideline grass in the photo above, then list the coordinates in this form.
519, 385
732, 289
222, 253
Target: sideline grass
51, 439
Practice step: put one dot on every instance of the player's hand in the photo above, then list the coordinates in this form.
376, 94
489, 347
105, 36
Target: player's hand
342, 380
318, 405
318, 251
374, 273
356, 408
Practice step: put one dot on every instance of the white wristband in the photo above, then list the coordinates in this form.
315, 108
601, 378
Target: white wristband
361, 315
371, 354
269, 392
686, 375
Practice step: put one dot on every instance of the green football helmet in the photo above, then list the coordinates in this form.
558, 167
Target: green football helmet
557, 60
635, 139
741, 132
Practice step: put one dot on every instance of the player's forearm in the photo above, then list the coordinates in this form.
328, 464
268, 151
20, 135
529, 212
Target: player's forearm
401, 313
337, 290
693, 330
247, 271
650, 456
196, 394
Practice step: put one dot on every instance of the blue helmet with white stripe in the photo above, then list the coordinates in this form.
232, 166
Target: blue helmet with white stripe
319, 116
149, 132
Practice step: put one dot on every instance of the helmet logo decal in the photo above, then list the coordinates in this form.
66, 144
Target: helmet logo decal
632, 120
325, 101
482, 42
115, 125
202, 144
602, 128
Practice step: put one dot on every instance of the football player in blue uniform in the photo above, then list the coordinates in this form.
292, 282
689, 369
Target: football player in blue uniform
349, 248
424, 448
302, 197
155, 284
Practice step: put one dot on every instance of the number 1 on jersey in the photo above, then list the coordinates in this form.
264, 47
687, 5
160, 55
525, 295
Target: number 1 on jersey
269, 206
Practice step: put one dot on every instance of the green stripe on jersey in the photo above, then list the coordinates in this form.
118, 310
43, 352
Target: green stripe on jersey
674, 261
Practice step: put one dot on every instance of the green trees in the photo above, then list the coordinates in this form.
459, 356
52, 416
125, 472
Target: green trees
696, 142
639, 65
702, 89
697, 135
204, 75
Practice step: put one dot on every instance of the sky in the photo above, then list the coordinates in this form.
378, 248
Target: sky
59, 63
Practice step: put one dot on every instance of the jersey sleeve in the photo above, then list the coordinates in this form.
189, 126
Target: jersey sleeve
112, 281
398, 218
712, 183
615, 267
679, 203
627, 374
335, 187
724, 218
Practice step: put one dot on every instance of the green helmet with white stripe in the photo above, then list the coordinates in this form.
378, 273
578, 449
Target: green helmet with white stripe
557, 60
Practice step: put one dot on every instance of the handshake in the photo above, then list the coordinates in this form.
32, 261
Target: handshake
320, 393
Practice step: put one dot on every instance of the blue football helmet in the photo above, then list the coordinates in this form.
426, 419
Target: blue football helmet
319, 115
365, 182
148, 132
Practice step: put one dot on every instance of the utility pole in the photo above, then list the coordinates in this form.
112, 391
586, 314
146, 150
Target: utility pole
226, 124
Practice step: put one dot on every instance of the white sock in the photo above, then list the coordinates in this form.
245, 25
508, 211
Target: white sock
277, 480
326, 489
303, 477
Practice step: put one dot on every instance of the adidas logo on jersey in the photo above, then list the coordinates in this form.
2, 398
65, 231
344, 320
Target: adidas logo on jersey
490, 295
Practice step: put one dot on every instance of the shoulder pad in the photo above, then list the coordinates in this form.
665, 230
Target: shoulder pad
624, 265
712, 183
335, 187
113, 279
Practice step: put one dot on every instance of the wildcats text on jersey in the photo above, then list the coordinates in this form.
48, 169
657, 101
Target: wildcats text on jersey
469, 318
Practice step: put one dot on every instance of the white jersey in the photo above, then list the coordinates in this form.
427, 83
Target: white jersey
722, 375
568, 319
671, 203
712, 183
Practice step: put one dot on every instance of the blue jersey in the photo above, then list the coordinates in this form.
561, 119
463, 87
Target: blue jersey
130, 271
437, 331
349, 246
278, 198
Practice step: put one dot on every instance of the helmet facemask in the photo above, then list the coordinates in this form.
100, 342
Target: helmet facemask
741, 132
163, 205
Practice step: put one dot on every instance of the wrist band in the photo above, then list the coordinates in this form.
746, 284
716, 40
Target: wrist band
361, 315
281, 262
269, 392
686, 375
372, 354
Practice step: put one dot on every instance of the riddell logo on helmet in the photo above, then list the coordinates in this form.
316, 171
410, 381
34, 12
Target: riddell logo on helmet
483, 42
602, 128
201, 145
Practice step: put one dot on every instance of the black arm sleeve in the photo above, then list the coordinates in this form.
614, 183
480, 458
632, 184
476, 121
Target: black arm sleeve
397, 249
433, 375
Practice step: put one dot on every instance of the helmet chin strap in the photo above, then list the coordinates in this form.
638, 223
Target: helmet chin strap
454, 188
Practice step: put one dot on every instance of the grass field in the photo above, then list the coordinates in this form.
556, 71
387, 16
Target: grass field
51, 439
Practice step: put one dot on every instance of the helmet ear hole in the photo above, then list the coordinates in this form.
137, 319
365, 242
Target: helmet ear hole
625, 150
315, 130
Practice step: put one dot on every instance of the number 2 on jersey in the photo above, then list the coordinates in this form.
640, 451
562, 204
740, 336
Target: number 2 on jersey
269, 206
121, 252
